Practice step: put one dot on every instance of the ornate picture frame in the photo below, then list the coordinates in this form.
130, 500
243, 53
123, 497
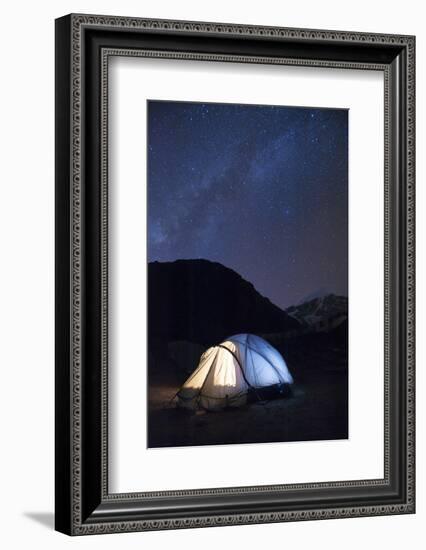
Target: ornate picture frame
84, 45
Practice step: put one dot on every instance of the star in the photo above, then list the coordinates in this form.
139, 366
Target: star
260, 189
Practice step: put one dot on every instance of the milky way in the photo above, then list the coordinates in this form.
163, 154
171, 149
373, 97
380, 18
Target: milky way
260, 189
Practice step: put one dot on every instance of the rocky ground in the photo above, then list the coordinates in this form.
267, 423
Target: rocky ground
317, 410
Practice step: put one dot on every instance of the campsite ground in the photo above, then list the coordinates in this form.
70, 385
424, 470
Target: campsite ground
317, 410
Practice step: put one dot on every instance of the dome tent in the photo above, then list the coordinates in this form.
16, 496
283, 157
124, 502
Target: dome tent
229, 372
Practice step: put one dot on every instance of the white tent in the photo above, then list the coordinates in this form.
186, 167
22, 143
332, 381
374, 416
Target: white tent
228, 372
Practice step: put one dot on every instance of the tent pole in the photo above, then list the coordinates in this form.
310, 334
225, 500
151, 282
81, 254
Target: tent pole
242, 370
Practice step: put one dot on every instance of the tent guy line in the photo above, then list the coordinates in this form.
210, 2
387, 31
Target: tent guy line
227, 374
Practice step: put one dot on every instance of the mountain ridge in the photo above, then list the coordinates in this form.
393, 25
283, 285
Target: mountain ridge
203, 301
321, 308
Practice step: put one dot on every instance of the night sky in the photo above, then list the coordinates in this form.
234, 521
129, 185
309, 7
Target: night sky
260, 189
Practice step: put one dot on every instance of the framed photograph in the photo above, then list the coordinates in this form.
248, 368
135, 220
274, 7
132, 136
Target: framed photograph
234, 274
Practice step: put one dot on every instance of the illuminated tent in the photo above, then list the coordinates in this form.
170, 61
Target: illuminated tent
230, 372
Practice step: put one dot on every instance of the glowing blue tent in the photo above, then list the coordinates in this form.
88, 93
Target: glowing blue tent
229, 372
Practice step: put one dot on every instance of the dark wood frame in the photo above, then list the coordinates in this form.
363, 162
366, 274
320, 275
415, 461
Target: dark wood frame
83, 46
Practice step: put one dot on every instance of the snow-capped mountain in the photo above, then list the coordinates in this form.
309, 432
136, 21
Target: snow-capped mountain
319, 310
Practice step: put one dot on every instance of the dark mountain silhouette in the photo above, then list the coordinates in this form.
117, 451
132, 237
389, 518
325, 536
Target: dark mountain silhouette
204, 302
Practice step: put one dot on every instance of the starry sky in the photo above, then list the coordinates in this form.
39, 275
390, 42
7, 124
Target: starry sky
260, 189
